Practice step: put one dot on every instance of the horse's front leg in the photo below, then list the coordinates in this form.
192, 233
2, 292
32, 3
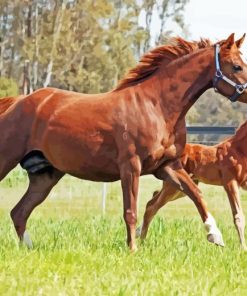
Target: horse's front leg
130, 173
182, 181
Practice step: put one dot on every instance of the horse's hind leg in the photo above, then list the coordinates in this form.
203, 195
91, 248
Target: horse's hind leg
40, 184
232, 190
182, 181
166, 194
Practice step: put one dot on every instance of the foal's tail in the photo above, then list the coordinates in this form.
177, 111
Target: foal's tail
5, 103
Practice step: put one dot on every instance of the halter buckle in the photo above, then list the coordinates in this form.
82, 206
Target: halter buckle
218, 74
240, 89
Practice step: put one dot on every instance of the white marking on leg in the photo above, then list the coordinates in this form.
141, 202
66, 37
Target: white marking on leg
210, 224
27, 240
214, 234
139, 230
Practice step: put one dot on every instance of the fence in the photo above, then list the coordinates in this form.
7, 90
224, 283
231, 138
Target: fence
216, 132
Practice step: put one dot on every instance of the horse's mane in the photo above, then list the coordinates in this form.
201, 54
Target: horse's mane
151, 61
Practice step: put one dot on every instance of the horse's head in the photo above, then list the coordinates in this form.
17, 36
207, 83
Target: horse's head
231, 70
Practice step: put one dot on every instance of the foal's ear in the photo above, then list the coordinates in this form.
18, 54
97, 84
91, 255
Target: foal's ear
229, 41
240, 41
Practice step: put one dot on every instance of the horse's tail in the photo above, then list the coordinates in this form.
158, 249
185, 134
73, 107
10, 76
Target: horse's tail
5, 103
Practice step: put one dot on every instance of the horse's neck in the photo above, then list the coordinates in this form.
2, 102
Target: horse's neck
183, 81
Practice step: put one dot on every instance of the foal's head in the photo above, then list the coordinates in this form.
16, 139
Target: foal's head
231, 69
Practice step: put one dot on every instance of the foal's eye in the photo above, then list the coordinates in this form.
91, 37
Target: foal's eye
237, 68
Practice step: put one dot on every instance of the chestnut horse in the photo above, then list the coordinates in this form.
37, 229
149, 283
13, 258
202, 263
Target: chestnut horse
224, 164
136, 129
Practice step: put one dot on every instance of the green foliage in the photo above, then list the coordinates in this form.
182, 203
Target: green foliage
219, 110
215, 110
82, 45
8, 87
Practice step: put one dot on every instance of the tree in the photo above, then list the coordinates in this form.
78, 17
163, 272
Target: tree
82, 45
8, 88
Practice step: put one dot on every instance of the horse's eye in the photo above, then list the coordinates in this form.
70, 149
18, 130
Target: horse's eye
237, 68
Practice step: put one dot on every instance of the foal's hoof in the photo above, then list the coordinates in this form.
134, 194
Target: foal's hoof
27, 240
216, 239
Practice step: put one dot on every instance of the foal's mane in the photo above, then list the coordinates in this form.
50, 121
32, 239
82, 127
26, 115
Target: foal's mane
151, 61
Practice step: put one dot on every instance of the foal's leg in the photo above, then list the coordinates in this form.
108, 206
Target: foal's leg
39, 187
130, 173
232, 190
167, 193
182, 181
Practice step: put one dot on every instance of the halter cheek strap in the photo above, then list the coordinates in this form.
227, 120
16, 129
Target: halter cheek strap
239, 88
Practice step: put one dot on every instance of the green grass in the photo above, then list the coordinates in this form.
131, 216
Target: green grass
77, 251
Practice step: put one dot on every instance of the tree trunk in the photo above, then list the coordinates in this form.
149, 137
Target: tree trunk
56, 33
35, 66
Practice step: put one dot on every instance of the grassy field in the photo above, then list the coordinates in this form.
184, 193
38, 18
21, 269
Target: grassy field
78, 251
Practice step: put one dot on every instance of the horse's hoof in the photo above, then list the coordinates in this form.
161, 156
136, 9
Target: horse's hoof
138, 231
27, 240
216, 239
133, 249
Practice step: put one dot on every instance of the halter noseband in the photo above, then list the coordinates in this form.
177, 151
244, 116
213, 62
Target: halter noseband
239, 88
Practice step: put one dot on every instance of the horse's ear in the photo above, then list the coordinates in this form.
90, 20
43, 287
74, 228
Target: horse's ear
229, 41
240, 41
